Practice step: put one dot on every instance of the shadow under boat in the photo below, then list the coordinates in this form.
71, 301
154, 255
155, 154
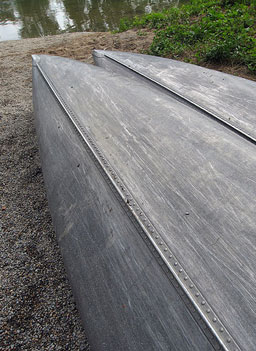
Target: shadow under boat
149, 168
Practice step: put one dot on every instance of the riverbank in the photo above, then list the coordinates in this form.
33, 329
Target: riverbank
38, 311
37, 307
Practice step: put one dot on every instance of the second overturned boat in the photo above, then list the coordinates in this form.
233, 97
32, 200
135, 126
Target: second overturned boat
149, 166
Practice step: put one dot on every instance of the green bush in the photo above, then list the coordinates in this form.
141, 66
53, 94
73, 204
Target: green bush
125, 24
217, 31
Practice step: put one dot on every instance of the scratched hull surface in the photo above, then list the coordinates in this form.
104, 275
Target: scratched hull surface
153, 204
227, 97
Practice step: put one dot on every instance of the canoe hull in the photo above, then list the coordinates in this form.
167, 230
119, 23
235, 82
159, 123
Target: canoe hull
114, 276
151, 195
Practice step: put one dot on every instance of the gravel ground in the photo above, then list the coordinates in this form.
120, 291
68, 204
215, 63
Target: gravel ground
37, 308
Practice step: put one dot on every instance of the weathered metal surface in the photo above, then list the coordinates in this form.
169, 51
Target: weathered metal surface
222, 96
155, 178
115, 277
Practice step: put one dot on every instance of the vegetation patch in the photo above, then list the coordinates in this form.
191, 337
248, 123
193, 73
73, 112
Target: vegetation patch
204, 31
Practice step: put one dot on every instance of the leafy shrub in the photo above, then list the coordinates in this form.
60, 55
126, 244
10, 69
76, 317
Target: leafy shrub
205, 30
125, 24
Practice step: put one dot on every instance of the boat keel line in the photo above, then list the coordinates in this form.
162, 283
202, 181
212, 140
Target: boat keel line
200, 309
183, 99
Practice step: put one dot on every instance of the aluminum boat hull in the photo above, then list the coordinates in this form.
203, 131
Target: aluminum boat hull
150, 179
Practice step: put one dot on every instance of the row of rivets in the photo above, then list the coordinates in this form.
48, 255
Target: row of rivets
180, 271
203, 302
170, 256
191, 286
144, 219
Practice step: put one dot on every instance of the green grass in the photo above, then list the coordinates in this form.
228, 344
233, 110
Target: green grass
215, 31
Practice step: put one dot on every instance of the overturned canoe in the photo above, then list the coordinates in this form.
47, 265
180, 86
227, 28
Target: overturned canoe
151, 185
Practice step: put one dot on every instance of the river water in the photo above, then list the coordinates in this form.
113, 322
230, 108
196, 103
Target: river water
35, 18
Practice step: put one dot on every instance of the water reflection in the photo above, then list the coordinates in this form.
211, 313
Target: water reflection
36, 18
7, 11
33, 18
